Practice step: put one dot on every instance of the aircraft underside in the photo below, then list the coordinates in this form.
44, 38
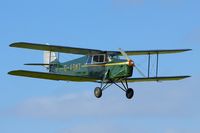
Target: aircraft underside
124, 86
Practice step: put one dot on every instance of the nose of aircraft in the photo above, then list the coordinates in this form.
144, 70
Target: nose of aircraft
131, 63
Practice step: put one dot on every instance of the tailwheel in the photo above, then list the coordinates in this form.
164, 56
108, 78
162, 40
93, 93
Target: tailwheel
129, 93
98, 92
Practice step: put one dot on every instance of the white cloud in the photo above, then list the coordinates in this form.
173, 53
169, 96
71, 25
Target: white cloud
164, 100
94, 127
181, 130
82, 112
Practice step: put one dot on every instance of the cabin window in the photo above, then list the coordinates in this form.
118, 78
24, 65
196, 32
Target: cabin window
101, 58
98, 58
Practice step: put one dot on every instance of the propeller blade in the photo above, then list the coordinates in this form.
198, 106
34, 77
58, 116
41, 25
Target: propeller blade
131, 62
140, 72
124, 54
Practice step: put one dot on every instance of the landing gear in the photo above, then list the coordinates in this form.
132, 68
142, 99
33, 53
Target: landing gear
98, 92
128, 91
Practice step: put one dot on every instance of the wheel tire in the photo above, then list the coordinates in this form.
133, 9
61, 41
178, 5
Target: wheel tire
98, 92
129, 93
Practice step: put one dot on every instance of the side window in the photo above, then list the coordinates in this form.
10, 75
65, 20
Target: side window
98, 58
101, 58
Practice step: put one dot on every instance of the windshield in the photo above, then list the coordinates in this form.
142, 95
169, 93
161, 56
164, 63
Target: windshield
113, 57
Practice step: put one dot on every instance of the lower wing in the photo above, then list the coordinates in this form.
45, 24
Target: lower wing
167, 78
51, 76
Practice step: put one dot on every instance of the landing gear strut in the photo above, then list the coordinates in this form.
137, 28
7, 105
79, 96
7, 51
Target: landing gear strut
104, 85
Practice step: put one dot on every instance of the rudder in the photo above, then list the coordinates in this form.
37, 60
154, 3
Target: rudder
49, 58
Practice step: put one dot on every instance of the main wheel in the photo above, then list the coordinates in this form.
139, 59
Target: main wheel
129, 93
98, 92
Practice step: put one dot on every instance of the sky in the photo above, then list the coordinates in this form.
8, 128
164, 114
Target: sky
35, 105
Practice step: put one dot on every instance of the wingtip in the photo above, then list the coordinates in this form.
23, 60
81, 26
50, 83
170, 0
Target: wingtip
16, 44
12, 44
11, 72
187, 76
185, 50
189, 50
14, 72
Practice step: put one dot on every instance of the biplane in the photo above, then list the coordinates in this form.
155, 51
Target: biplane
104, 67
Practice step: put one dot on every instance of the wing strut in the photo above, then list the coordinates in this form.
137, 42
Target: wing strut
157, 65
149, 64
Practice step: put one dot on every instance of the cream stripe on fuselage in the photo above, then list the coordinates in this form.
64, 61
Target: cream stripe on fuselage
108, 64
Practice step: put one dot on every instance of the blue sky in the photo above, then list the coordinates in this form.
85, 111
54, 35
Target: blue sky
34, 105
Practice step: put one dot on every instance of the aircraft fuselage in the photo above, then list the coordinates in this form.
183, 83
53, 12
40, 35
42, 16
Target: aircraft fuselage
117, 68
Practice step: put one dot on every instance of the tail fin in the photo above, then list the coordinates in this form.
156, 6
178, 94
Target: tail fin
50, 58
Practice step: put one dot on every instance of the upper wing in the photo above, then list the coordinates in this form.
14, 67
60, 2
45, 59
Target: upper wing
53, 48
50, 76
85, 51
156, 78
146, 52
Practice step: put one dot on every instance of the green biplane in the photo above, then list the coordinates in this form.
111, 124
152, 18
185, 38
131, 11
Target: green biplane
104, 67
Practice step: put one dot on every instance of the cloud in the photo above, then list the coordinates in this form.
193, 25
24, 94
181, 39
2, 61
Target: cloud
104, 127
97, 127
181, 130
163, 100
81, 112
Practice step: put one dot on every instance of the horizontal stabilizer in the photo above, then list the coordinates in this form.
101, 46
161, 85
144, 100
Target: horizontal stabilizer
50, 76
168, 78
37, 64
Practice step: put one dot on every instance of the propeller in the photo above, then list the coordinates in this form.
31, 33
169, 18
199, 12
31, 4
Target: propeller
140, 72
124, 54
131, 63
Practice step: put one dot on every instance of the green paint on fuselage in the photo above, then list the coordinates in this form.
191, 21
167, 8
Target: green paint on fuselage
79, 67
